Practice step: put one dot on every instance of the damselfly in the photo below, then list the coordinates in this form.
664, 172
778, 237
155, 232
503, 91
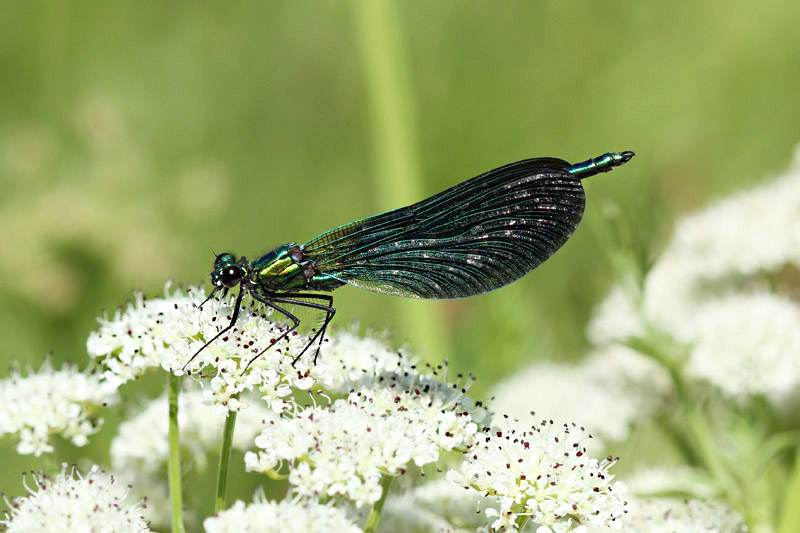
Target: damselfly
472, 238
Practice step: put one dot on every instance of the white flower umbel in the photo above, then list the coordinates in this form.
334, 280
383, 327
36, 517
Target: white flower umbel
346, 447
613, 388
543, 475
35, 406
747, 345
286, 516
72, 502
657, 515
754, 232
167, 332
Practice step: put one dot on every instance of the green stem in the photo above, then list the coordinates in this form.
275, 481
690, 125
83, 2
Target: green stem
220, 503
377, 507
522, 520
175, 489
790, 510
394, 140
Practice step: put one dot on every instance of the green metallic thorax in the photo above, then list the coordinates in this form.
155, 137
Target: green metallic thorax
287, 269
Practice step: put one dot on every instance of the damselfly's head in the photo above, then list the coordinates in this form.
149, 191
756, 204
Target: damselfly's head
227, 272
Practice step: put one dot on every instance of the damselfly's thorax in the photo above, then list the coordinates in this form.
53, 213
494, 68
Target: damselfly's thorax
285, 268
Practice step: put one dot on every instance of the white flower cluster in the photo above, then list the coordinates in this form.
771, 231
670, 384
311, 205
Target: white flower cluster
610, 390
713, 289
49, 401
286, 516
166, 332
347, 446
661, 515
544, 475
72, 502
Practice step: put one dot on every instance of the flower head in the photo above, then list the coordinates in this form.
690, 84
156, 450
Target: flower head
167, 332
52, 401
346, 447
747, 345
542, 473
286, 516
72, 502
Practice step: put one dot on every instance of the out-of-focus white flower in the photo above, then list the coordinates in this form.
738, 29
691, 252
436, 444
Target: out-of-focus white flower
346, 447
167, 332
353, 359
544, 474
438, 506
52, 401
745, 235
747, 345
140, 450
662, 481
613, 388
657, 515
618, 317
142, 446
72, 502
287, 516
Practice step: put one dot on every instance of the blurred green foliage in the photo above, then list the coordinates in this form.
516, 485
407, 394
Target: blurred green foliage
137, 137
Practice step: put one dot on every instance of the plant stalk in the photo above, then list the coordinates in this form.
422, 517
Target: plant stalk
175, 488
377, 507
220, 502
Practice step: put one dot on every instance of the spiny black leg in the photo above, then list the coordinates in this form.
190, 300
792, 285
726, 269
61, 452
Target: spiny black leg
234, 318
329, 313
211, 295
290, 316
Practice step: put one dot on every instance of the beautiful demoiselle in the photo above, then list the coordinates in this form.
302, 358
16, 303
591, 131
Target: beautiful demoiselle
472, 238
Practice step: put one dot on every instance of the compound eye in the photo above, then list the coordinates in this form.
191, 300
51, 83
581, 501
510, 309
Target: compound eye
231, 276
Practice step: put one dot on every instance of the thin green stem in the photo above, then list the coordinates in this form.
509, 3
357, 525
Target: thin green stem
175, 488
377, 507
220, 503
522, 520
789, 521
396, 157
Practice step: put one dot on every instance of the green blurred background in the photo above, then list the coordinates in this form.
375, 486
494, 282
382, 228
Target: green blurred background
137, 137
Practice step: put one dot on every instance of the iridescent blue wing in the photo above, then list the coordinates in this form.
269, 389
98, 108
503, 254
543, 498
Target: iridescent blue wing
472, 238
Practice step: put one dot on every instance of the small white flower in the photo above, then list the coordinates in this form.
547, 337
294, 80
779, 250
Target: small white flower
664, 515
346, 447
72, 502
287, 516
52, 401
542, 473
167, 332
608, 392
